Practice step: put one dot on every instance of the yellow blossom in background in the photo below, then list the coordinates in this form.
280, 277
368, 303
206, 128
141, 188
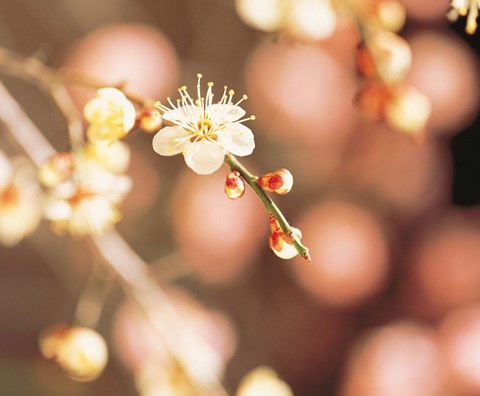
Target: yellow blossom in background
113, 156
20, 200
110, 115
80, 351
468, 8
204, 131
87, 203
303, 19
263, 381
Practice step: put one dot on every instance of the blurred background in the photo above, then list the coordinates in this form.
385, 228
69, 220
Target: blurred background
391, 302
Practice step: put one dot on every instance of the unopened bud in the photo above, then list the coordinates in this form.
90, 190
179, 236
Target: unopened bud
408, 110
234, 185
281, 243
150, 120
56, 169
386, 56
280, 181
391, 15
80, 351
371, 100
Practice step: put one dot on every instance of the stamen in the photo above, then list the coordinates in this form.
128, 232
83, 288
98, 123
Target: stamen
244, 97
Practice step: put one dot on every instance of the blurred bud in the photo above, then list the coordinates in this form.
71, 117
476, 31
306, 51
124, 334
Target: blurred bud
263, 15
150, 120
311, 19
279, 242
390, 15
390, 55
110, 115
371, 100
56, 169
263, 381
408, 110
280, 181
234, 185
80, 351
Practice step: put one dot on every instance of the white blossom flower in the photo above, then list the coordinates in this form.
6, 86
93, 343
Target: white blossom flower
110, 115
20, 200
468, 8
204, 131
86, 204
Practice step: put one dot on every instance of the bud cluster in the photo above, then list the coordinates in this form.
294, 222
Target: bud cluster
384, 59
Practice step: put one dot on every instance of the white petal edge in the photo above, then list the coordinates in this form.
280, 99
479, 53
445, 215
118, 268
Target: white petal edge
222, 113
204, 157
182, 115
171, 140
237, 139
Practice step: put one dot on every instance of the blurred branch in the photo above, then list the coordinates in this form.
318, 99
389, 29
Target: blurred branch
191, 353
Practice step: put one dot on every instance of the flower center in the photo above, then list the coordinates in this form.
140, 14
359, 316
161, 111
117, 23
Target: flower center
203, 126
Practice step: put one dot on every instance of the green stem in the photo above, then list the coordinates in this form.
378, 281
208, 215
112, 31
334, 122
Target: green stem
270, 206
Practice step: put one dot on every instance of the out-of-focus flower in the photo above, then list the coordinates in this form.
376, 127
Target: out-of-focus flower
204, 131
113, 157
80, 351
263, 381
234, 185
280, 181
468, 8
303, 19
279, 242
20, 201
87, 203
408, 110
110, 115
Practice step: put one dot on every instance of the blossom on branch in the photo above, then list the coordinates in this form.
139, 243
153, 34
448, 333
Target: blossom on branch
110, 115
204, 131
87, 203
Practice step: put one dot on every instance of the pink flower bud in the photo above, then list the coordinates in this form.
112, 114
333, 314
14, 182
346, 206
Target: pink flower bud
150, 120
234, 185
280, 181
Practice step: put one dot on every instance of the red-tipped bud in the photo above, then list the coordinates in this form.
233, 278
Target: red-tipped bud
280, 181
364, 61
371, 100
56, 169
234, 185
281, 243
150, 120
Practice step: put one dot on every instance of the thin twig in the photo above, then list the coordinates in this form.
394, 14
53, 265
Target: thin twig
270, 206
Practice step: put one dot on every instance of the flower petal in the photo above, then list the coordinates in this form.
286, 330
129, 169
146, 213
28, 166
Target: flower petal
237, 139
222, 113
204, 157
182, 115
171, 140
